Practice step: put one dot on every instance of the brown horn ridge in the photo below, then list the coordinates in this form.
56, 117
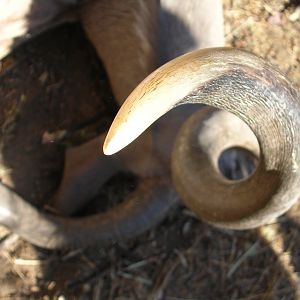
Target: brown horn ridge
251, 89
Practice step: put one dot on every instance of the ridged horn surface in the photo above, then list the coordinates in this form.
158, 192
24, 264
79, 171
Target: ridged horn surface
244, 85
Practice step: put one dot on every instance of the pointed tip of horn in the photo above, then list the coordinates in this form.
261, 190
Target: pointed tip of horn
114, 141
112, 144
122, 133
143, 107
107, 149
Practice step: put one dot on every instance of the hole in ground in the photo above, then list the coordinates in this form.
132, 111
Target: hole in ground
237, 163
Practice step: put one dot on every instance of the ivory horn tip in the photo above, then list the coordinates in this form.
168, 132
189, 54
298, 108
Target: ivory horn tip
114, 142
108, 147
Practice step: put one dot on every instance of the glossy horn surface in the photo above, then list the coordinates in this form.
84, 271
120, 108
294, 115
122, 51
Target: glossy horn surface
246, 86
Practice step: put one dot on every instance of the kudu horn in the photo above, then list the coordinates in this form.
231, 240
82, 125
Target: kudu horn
250, 88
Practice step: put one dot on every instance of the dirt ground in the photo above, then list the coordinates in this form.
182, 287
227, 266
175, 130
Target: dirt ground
183, 258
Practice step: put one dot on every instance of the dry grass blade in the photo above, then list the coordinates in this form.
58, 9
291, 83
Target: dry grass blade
251, 251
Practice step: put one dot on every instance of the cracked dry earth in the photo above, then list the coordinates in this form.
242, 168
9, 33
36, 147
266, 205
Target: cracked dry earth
182, 258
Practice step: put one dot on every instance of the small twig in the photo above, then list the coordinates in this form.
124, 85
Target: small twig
30, 262
158, 290
250, 252
182, 258
90, 263
72, 254
139, 279
137, 265
10, 259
